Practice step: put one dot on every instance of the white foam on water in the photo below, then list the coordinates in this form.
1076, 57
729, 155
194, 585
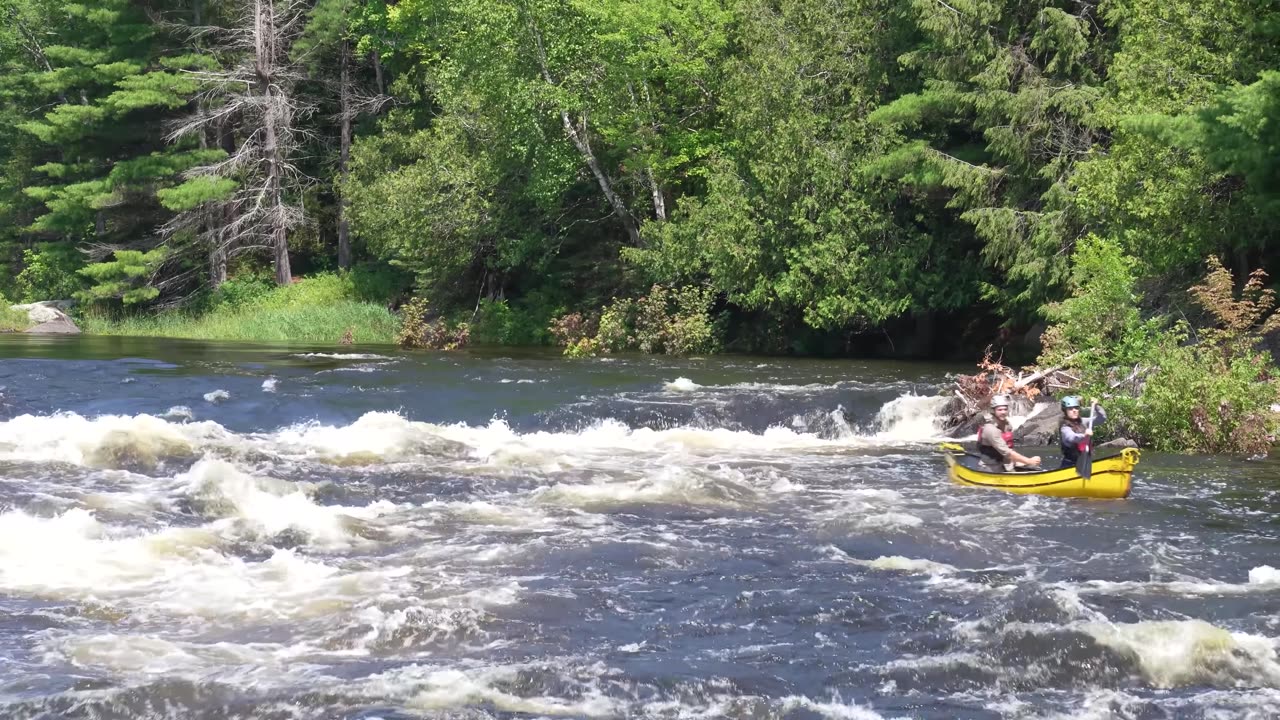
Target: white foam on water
267, 507
1264, 575
375, 437
149, 655
1184, 653
911, 418
432, 690
172, 571
682, 385
906, 564
104, 441
269, 385
834, 710
112, 440
668, 485
217, 396
179, 412
343, 356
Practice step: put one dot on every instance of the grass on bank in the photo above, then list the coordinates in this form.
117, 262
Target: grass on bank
318, 309
12, 320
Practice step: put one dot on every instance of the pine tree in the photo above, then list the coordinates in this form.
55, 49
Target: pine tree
112, 83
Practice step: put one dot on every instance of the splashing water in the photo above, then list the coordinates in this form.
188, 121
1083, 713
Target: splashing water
420, 539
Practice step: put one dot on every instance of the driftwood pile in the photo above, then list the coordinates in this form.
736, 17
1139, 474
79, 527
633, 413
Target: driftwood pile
1025, 388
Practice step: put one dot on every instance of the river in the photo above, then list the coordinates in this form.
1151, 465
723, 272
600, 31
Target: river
218, 531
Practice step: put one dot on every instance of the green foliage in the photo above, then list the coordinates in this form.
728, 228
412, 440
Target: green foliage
423, 204
1202, 401
50, 273
125, 278
242, 290
1099, 326
1213, 394
498, 322
420, 328
821, 169
673, 321
374, 282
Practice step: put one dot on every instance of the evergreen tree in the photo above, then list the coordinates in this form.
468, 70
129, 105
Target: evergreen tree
110, 80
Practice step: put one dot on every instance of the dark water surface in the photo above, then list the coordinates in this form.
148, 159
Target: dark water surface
194, 530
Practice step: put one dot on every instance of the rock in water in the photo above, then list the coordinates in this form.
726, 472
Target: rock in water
1041, 427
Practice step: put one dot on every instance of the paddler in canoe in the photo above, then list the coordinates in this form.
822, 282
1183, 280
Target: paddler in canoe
995, 441
1074, 435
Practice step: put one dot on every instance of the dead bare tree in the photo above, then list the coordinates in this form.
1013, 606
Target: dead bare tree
252, 101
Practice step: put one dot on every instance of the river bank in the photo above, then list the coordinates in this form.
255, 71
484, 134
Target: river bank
325, 309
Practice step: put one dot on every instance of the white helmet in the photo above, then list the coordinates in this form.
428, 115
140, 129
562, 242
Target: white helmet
999, 401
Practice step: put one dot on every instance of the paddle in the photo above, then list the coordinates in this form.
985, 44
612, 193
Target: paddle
1084, 463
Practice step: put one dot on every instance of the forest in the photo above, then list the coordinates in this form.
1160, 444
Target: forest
797, 176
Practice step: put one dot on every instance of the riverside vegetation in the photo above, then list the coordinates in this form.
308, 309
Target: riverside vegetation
796, 176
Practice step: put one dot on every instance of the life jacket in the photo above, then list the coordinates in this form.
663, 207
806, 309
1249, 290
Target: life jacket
1071, 452
989, 452
1007, 436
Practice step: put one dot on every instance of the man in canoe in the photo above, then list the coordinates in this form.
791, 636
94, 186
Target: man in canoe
1074, 435
995, 441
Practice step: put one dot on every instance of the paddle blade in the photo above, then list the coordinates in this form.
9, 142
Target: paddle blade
1084, 463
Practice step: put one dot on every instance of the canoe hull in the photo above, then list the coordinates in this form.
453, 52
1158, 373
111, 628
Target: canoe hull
1112, 478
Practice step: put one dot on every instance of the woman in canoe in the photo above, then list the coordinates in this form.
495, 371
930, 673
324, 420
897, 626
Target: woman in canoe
1075, 437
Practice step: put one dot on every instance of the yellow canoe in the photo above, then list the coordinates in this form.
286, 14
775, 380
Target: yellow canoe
1111, 478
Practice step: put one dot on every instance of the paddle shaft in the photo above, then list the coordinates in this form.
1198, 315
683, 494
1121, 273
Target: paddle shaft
1084, 465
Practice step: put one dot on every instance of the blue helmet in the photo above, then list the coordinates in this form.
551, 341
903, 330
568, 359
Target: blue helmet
1070, 401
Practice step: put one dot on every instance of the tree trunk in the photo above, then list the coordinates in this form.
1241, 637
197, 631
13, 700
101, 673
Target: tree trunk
217, 263
377, 71
264, 28
582, 142
344, 158
659, 203
584, 148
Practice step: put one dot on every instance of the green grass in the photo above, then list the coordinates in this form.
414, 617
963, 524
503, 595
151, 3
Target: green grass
12, 320
316, 310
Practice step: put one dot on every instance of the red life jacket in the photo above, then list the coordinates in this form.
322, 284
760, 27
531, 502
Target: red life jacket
1080, 447
1007, 435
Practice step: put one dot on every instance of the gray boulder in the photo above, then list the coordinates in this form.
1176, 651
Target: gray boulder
49, 317
1041, 425
61, 326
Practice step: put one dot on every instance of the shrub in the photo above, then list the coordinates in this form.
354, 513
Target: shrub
675, 322
242, 290
419, 329
50, 273
378, 282
526, 323
1212, 396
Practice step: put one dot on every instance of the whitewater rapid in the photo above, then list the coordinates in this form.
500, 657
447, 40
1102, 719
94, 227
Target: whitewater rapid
683, 546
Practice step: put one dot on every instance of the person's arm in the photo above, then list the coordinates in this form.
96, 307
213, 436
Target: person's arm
1072, 438
1020, 459
991, 435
